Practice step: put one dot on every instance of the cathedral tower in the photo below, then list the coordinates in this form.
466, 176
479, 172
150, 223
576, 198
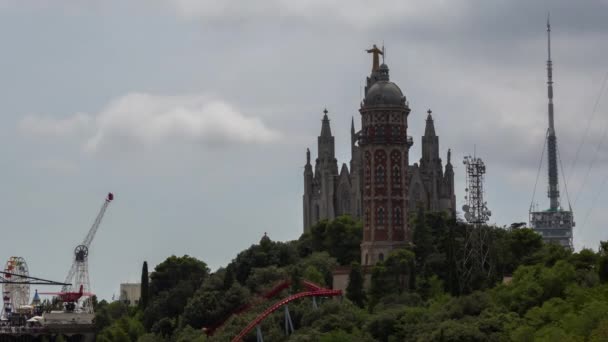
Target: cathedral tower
384, 151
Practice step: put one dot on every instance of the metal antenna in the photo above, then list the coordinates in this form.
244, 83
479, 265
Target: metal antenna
476, 213
383, 52
555, 224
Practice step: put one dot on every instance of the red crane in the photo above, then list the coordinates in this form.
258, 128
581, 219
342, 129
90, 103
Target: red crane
78, 275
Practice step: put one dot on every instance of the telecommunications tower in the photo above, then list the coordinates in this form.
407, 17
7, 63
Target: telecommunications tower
476, 213
554, 224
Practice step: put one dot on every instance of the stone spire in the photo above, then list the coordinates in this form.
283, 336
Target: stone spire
429, 130
326, 145
325, 129
430, 145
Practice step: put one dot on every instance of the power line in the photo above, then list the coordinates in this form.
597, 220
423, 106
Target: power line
559, 157
584, 137
595, 198
597, 150
540, 165
599, 145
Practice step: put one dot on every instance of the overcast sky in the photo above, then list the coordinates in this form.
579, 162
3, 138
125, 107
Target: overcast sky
197, 115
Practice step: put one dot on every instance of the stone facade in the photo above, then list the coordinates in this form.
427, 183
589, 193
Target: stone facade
130, 293
380, 188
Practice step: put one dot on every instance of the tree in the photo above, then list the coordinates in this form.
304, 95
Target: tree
400, 265
341, 238
355, 291
603, 262
173, 283
520, 245
174, 270
145, 287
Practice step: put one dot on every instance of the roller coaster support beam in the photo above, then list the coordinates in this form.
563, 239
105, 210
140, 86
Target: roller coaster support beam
288, 322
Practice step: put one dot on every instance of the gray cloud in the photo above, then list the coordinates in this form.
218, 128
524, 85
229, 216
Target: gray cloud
152, 120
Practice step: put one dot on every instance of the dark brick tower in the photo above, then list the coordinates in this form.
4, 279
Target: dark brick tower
384, 148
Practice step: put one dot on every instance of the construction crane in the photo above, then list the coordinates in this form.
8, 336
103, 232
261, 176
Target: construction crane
78, 276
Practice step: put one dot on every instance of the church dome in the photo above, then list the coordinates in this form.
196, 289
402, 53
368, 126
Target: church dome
384, 93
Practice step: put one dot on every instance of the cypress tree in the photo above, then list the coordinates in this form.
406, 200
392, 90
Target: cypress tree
354, 290
143, 301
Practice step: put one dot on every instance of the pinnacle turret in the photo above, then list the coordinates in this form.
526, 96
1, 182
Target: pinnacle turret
429, 130
325, 129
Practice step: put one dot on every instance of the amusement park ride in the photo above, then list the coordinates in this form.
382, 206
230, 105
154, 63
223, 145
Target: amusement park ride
78, 275
16, 281
69, 299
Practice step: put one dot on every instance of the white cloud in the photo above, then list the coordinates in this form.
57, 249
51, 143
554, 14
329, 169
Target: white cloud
149, 120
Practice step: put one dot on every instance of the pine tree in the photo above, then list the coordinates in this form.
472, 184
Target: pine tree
355, 291
144, 286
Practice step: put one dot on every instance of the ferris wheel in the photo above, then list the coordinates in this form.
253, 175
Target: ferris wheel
15, 295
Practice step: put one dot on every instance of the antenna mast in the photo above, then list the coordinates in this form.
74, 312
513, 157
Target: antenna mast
551, 138
555, 224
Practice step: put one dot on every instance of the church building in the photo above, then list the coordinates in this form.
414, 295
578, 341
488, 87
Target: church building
379, 186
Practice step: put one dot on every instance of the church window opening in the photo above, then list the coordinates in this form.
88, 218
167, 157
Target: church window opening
396, 176
397, 216
396, 131
380, 216
380, 175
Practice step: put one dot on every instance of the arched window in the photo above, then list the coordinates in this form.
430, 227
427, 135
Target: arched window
396, 131
380, 216
380, 175
397, 216
381, 257
396, 176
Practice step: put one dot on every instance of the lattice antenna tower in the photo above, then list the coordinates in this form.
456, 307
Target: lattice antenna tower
476, 213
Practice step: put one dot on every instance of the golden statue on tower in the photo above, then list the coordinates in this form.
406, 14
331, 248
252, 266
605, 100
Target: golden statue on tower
376, 52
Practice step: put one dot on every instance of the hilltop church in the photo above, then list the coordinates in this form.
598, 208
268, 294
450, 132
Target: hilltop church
379, 186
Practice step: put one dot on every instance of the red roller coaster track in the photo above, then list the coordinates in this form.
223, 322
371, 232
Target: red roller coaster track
313, 291
310, 286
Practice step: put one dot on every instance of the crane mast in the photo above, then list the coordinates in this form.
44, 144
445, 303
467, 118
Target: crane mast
78, 275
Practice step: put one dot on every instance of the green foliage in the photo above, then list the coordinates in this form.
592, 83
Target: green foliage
355, 291
172, 284
341, 238
262, 279
175, 270
519, 247
554, 294
209, 307
267, 253
189, 334
126, 328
